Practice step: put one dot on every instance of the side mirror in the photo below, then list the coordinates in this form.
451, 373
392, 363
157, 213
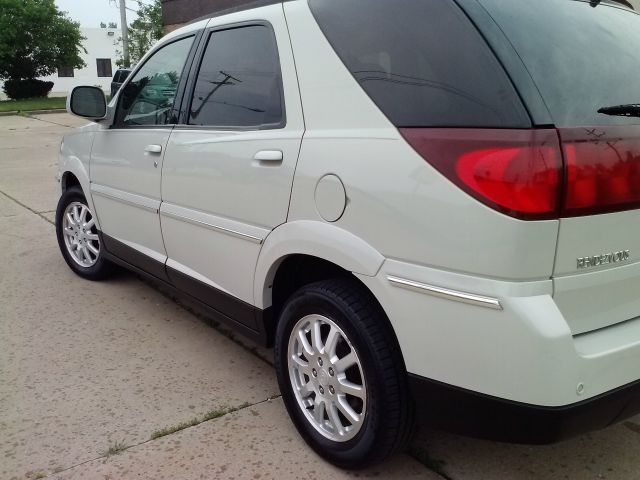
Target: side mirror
87, 102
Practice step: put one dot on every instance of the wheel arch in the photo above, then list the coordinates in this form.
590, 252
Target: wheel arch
73, 166
317, 249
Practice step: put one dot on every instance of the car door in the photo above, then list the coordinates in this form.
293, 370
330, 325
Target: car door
126, 159
229, 169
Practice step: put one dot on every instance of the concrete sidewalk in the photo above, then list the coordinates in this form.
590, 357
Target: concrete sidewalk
90, 372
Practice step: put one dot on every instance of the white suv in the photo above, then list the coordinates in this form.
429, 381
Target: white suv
415, 202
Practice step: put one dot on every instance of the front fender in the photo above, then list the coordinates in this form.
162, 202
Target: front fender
316, 239
75, 156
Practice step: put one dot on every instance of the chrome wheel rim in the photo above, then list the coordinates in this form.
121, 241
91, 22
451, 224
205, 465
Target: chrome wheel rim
327, 378
80, 234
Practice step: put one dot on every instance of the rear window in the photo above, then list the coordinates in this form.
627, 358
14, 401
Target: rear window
422, 62
581, 56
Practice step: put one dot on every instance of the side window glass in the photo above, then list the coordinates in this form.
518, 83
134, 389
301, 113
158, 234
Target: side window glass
239, 83
149, 97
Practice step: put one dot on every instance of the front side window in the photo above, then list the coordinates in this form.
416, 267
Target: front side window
149, 97
104, 67
239, 82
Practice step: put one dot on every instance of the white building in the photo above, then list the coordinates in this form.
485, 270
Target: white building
101, 45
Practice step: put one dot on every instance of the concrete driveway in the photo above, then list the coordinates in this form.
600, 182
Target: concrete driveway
114, 380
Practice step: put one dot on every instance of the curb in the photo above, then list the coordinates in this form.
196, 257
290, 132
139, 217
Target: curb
33, 112
40, 112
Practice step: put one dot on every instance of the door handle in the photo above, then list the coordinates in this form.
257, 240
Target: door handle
268, 156
153, 149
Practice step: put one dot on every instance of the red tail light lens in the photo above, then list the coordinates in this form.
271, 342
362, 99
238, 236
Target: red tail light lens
518, 172
603, 169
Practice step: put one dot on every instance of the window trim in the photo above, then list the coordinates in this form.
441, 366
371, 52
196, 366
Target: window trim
187, 100
177, 103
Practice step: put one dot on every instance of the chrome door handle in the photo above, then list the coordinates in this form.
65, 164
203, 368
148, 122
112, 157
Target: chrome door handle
153, 149
268, 156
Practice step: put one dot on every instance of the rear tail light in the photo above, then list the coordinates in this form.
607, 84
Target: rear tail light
603, 169
521, 172
518, 172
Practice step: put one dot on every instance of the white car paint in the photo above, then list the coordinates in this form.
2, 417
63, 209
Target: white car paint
230, 222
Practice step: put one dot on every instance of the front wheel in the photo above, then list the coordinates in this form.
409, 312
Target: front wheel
78, 237
341, 374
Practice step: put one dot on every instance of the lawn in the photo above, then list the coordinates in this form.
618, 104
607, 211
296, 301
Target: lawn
28, 104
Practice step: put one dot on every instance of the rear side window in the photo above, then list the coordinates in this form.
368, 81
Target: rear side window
582, 56
239, 82
422, 62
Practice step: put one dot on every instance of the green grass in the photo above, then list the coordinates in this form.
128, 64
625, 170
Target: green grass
210, 415
422, 456
116, 448
28, 104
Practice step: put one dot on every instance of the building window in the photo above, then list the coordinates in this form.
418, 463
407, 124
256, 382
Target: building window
104, 67
65, 72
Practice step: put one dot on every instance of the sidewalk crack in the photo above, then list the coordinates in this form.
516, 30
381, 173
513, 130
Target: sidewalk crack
128, 447
27, 207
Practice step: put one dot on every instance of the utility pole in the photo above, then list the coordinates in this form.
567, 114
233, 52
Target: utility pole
125, 33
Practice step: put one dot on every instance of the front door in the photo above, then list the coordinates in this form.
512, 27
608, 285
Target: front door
228, 172
126, 159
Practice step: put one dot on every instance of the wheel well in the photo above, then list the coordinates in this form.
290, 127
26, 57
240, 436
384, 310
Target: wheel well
295, 272
69, 180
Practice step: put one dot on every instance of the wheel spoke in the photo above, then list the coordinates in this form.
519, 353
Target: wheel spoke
350, 388
70, 219
334, 419
93, 249
332, 341
83, 214
302, 338
318, 410
316, 336
301, 365
347, 411
92, 236
86, 254
307, 389
89, 224
76, 215
345, 362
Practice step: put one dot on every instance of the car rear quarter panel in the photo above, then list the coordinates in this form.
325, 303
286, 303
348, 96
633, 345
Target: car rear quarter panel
397, 202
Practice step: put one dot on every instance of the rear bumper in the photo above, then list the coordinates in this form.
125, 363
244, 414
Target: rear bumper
474, 414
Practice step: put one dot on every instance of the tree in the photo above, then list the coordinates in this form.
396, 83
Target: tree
144, 31
35, 39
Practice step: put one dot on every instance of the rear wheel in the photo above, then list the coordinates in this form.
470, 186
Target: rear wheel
341, 374
78, 236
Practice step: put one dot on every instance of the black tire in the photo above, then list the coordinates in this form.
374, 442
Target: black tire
102, 268
388, 420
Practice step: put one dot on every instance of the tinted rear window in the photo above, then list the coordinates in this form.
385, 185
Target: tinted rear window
422, 62
581, 57
239, 82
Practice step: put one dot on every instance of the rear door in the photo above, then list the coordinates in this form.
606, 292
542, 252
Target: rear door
584, 60
229, 167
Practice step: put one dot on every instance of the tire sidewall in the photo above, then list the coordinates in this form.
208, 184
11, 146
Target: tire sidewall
356, 450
